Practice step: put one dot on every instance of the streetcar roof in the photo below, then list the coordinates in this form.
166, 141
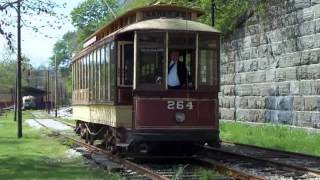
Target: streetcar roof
169, 24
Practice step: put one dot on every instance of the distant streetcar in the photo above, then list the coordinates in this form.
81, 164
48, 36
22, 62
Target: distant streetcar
149, 80
28, 102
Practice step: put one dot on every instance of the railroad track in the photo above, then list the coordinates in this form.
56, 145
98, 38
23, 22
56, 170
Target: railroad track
238, 161
162, 168
263, 163
134, 168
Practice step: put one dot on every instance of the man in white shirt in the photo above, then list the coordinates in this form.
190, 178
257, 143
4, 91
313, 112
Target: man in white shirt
177, 72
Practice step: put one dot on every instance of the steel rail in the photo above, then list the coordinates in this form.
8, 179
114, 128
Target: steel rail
130, 165
231, 172
274, 150
271, 162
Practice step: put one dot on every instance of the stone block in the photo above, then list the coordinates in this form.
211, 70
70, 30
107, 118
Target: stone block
301, 3
290, 19
227, 90
317, 25
256, 102
310, 87
239, 66
263, 63
255, 41
242, 115
307, 28
286, 74
244, 55
310, 57
250, 65
298, 103
306, 42
313, 71
308, 14
242, 102
312, 103
240, 78
267, 89
284, 88
303, 118
285, 117
270, 75
244, 90
277, 48
294, 88
256, 115
255, 77
313, 2
271, 102
290, 60
284, 103
271, 116
227, 114
316, 10
254, 53
227, 101
246, 42
227, 79
315, 119
263, 50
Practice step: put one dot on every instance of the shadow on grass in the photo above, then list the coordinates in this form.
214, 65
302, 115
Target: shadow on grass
29, 167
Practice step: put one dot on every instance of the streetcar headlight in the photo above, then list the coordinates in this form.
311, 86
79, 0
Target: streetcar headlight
180, 117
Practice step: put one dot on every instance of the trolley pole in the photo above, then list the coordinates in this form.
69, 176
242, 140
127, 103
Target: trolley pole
19, 96
56, 83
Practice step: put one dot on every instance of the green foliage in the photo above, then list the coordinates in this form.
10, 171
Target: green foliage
272, 136
207, 174
90, 14
63, 50
8, 71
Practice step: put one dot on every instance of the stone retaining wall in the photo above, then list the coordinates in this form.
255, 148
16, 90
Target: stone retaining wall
270, 68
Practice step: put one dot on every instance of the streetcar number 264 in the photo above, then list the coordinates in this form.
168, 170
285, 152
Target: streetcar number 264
180, 105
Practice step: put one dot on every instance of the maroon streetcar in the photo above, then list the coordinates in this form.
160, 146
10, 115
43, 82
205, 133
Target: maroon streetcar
150, 78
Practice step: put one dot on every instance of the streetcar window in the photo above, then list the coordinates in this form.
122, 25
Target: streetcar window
208, 60
112, 71
107, 72
151, 58
125, 64
184, 44
102, 74
91, 77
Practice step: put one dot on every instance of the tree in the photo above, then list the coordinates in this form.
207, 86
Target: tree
90, 14
63, 50
29, 8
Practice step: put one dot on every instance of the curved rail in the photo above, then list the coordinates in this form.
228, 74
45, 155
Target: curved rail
130, 165
268, 163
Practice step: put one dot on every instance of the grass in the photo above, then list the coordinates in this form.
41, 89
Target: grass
37, 156
271, 136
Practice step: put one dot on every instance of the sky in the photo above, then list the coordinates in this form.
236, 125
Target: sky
36, 46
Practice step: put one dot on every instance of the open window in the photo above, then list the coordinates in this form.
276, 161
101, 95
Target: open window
151, 53
185, 45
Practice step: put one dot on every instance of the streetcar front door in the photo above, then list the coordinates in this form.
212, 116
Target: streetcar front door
125, 72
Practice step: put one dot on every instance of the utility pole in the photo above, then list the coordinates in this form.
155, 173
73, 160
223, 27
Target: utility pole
19, 96
213, 9
47, 96
15, 98
56, 83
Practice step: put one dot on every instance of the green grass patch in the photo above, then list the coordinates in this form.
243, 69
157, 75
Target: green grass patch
37, 156
272, 136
